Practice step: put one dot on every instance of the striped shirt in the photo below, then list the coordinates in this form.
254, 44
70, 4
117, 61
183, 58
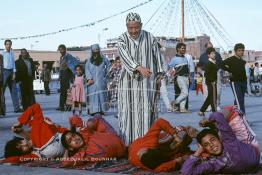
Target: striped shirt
180, 64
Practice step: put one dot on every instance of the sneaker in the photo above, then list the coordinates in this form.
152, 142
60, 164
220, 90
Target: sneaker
18, 110
218, 108
170, 109
201, 113
184, 111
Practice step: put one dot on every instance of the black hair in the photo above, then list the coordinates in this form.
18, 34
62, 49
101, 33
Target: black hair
256, 63
63, 139
117, 58
153, 158
205, 132
78, 66
8, 40
27, 54
179, 45
62, 46
209, 50
65, 144
239, 46
12, 147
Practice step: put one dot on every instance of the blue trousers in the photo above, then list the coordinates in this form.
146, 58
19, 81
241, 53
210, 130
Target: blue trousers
8, 74
239, 90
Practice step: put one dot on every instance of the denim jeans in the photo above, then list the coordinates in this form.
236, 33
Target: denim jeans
239, 90
8, 75
164, 94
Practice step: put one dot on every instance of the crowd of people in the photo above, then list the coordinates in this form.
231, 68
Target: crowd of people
135, 80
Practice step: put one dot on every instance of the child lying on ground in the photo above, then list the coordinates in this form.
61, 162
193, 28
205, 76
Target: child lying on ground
162, 152
43, 140
231, 144
95, 141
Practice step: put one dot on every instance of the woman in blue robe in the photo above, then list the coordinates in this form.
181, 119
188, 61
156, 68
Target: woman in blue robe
96, 70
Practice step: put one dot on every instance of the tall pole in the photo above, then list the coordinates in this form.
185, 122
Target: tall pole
183, 22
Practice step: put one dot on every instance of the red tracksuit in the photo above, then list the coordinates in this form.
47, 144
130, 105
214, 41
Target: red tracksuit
102, 142
42, 130
151, 140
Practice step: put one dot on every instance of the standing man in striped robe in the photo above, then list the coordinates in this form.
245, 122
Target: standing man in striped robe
142, 63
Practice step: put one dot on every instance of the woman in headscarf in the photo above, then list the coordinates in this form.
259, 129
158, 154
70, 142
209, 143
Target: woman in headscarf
96, 70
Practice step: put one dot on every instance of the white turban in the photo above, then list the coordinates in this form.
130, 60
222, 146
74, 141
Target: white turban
133, 17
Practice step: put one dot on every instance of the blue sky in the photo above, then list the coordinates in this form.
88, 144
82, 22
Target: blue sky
242, 20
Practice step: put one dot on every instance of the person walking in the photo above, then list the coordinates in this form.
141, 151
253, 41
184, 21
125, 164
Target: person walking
238, 81
211, 80
179, 65
203, 60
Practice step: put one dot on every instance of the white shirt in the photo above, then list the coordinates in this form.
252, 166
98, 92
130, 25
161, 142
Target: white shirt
256, 71
260, 71
9, 60
191, 63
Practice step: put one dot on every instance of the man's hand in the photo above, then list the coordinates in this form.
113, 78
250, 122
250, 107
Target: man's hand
176, 142
181, 160
90, 82
172, 72
145, 72
204, 122
192, 132
199, 151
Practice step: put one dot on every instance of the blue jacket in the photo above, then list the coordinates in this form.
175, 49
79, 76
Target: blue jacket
71, 62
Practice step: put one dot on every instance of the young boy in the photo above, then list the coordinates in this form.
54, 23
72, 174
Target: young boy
43, 141
233, 149
211, 82
160, 152
95, 141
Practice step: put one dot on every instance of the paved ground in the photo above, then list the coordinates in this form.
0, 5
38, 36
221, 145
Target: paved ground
49, 103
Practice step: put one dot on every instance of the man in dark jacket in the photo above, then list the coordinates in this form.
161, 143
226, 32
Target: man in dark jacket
238, 81
46, 77
203, 60
2, 97
25, 75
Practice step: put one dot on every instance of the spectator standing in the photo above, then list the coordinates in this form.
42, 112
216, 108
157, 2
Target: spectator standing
46, 77
9, 74
25, 75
